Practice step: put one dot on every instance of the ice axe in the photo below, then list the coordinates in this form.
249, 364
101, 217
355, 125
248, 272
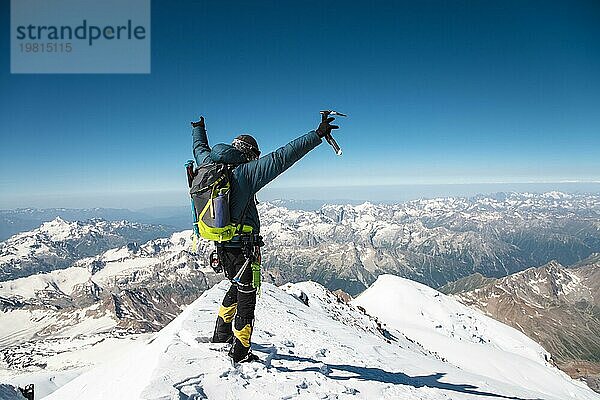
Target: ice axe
328, 137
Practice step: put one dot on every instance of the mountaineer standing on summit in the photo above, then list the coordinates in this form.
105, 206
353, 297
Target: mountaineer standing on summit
248, 174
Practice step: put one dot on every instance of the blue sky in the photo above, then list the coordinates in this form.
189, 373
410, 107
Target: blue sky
438, 92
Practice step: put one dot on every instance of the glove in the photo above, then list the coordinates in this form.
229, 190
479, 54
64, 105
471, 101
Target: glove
325, 126
199, 124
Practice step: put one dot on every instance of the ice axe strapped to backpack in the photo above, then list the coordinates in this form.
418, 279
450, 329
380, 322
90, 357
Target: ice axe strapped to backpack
189, 170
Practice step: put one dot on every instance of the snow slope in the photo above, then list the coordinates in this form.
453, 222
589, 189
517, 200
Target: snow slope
465, 337
326, 349
63, 280
66, 359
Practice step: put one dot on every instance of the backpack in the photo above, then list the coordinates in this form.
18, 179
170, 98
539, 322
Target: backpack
210, 198
209, 191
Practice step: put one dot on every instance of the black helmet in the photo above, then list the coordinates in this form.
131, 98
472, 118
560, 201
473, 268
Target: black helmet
247, 145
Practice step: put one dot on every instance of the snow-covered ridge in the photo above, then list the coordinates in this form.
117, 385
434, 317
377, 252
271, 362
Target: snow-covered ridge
135, 288
119, 261
58, 243
326, 350
555, 306
445, 325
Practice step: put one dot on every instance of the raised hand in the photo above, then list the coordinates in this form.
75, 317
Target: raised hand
325, 126
199, 124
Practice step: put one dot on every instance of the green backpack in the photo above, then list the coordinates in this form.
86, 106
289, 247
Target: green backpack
209, 191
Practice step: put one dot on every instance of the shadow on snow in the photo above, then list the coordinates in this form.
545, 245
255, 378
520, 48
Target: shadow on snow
377, 374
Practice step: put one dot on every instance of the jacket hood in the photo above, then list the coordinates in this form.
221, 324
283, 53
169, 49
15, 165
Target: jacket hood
227, 154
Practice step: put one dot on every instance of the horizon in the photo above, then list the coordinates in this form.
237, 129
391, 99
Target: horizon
383, 194
436, 93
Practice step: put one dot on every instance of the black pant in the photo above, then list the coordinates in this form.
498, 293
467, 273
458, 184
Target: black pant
236, 314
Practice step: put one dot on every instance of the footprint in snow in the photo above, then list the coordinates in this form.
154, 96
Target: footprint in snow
191, 388
324, 369
321, 353
302, 385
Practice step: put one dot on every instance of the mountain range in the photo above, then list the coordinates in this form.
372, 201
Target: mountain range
556, 306
134, 288
78, 298
57, 244
430, 241
344, 246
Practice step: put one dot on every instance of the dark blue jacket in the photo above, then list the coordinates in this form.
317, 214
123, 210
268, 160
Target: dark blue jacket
248, 178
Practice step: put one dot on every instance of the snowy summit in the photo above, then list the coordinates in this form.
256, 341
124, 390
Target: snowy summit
398, 340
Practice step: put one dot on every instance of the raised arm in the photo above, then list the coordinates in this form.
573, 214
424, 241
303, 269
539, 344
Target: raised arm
262, 171
200, 145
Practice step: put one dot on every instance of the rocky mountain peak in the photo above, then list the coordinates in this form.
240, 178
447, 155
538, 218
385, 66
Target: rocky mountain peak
556, 306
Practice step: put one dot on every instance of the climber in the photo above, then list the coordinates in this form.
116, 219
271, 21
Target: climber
249, 173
